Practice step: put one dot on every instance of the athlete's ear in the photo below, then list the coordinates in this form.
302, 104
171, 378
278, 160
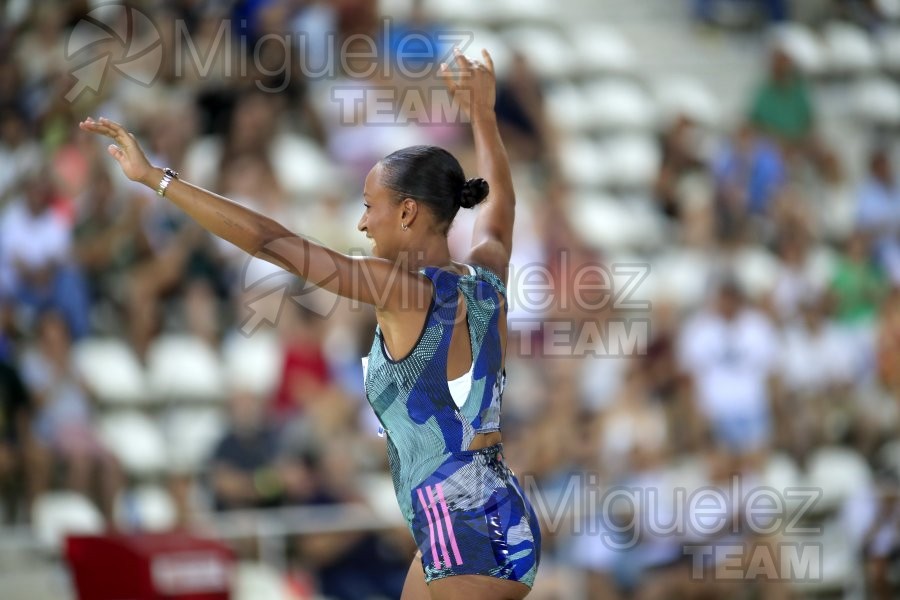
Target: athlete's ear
409, 211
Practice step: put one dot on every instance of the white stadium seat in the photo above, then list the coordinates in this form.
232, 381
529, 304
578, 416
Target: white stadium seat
378, 491
620, 104
135, 440
111, 370
889, 9
647, 226
684, 275
145, 508
602, 221
877, 101
757, 271
183, 367
400, 10
537, 11
253, 363
602, 49
839, 472
780, 473
615, 224
258, 581
302, 167
802, 45
470, 10
478, 37
56, 514
547, 51
583, 162
568, 108
850, 49
633, 159
191, 433
888, 40
683, 96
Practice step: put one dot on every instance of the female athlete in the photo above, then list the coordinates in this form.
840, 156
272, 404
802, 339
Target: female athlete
436, 387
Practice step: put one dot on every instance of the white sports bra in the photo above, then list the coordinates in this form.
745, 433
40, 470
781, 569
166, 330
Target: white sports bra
459, 387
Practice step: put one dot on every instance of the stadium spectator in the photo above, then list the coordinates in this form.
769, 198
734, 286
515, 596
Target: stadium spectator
730, 351
243, 466
634, 435
803, 275
107, 241
521, 114
740, 12
19, 152
305, 376
35, 257
818, 369
15, 437
62, 424
781, 106
859, 286
889, 344
879, 211
681, 159
749, 173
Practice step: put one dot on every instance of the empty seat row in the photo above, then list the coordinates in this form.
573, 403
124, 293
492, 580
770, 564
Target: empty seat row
840, 48
179, 442
179, 368
616, 103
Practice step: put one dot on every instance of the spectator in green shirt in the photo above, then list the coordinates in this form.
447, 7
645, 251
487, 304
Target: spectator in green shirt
859, 287
782, 106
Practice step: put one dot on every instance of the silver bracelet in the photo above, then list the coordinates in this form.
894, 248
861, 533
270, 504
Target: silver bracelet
168, 176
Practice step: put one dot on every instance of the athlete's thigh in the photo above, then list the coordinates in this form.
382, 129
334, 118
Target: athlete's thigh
477, 587
415, 587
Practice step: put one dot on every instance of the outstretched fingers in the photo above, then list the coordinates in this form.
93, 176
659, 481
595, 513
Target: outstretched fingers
99, 127
109, 128
447, 75
488, 61
119, 133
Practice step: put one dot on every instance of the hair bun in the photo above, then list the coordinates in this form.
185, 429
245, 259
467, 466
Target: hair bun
474, 191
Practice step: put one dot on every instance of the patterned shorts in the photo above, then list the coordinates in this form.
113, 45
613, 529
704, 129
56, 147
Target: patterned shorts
472, 518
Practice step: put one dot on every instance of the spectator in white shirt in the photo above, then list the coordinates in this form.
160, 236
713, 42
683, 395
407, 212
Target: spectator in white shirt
35, 266
817, 367
730, 352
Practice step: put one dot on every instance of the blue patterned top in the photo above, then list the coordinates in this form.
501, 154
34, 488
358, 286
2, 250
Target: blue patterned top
410, 396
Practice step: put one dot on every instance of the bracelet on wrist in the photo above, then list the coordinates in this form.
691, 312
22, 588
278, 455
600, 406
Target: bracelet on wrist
169, 175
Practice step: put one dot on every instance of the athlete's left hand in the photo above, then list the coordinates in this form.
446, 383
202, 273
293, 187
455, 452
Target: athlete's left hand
473, 84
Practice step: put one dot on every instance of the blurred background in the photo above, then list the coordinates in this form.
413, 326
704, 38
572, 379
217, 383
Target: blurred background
744, 150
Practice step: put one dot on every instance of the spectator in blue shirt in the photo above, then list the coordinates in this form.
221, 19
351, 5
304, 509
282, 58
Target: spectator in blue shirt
878, 211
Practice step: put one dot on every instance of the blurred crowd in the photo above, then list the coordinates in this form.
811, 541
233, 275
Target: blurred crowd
755, 367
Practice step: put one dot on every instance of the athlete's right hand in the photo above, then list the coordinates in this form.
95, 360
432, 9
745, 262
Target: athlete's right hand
126, 150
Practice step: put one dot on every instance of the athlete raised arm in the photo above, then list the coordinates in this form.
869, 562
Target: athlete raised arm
475, 90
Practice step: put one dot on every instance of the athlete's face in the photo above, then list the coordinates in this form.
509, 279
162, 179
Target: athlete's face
382, 219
